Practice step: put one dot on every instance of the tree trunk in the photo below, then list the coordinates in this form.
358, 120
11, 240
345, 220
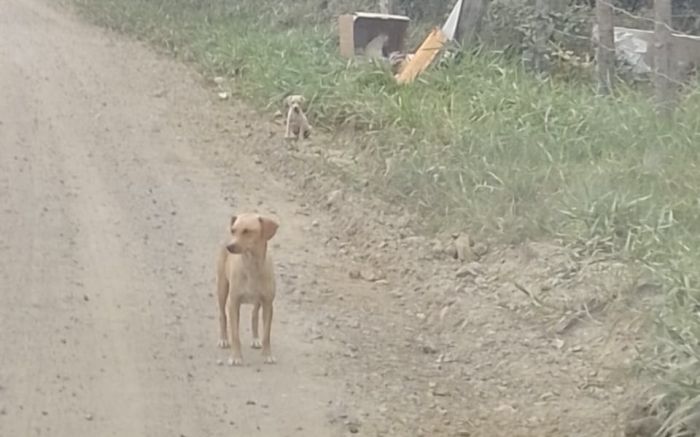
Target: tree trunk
663, 74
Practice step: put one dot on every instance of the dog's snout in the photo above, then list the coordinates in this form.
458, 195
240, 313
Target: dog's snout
296, 109
233, 248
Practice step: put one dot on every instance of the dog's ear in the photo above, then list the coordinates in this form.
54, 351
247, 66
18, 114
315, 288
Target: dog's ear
233, 220
288, 101
268, 227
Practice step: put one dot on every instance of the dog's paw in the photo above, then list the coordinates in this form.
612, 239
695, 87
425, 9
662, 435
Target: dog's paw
223, 344
269, 359
255, 344
235, 361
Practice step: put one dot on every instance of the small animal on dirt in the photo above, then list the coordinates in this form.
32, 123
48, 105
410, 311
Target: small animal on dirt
297, 123
245, 275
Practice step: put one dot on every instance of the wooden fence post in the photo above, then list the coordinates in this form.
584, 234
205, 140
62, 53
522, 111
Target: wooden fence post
385, 6
662, 58
470, 18
605, 49
541, 37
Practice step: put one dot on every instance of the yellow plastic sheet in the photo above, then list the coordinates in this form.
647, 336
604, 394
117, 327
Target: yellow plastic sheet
425, 55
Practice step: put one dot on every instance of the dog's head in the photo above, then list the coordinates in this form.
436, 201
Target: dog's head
250, 232
295, 102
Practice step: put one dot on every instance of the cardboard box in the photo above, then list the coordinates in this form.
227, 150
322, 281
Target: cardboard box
358, 29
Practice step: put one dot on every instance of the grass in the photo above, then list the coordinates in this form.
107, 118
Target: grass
478, 144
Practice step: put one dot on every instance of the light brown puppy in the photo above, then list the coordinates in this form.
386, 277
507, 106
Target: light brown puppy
297, 124
245, 275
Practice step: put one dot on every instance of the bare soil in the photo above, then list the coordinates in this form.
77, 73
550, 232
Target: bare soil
119, 169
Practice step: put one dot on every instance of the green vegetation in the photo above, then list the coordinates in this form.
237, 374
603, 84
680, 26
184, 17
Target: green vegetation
480, 144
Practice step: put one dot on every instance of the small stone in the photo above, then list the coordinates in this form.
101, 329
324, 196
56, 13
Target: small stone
645, 427
546, 396
451, 251
218, 80
88, 417
353, 426
505, 408
480, 249
396, 294
333, 198
464, 272
443, 312
372, 275
440, 392
472, 269
428, 349
180, 243
250, 402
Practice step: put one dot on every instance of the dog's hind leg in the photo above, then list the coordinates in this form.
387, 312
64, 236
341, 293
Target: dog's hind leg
222, 294
255, 319
267, 327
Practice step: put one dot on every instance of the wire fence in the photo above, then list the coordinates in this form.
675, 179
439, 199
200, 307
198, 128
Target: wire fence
650, 20
666, 53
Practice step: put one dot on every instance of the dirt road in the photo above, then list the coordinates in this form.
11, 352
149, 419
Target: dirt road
118, 172
109, 229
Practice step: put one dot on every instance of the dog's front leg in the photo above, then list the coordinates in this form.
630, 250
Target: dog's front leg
222, 293
288, 133
234, 312
255, 319
267, 327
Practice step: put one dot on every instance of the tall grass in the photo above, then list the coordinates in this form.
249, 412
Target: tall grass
478, 144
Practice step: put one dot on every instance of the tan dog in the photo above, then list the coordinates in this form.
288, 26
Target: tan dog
245, 275
297, 124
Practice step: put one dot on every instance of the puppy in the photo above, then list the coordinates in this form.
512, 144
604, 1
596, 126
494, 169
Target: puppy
245, 275
297, 124
375, 48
